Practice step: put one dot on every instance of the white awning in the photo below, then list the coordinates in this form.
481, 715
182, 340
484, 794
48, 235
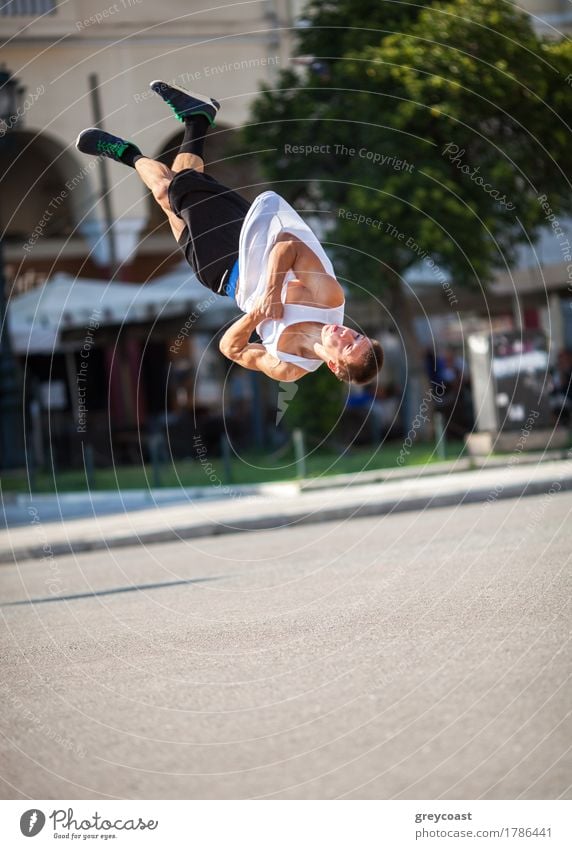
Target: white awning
37, 318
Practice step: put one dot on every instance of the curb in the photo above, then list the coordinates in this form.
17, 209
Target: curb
148, 497
449, 467
379, 507
134, 498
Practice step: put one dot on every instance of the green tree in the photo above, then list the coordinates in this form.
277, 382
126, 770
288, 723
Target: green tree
472, 112
317, 406
333, 29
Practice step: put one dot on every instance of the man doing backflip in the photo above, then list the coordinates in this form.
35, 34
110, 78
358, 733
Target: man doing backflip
261, 254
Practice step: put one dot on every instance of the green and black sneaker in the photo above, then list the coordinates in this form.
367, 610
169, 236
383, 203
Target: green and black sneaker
99, 143
185, 104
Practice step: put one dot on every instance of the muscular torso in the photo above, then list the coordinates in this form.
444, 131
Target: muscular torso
311, 287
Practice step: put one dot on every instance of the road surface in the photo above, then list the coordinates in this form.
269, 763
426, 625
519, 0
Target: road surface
419, 655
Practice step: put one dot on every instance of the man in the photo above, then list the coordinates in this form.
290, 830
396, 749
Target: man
263, 255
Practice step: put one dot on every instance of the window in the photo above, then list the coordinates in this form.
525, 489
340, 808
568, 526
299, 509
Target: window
26, 8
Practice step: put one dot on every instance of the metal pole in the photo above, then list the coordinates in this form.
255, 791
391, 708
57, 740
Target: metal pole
88, 464
12, 398
517, 312
71, 372
257, 424
440, 439
12, 421
103, 176
226, 458
299, 452
37, 452
156, 454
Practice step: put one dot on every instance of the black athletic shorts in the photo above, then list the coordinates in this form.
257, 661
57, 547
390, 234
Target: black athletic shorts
213, 214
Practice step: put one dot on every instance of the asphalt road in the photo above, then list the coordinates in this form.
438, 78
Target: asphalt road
420, 655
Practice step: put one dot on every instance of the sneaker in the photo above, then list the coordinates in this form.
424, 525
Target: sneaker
99, 143
186, 103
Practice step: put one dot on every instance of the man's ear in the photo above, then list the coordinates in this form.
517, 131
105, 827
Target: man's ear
323, 355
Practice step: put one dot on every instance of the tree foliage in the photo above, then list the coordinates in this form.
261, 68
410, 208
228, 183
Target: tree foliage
317, 405
469, 111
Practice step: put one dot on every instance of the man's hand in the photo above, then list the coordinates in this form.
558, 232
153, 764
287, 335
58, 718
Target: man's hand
269, 306
281, 259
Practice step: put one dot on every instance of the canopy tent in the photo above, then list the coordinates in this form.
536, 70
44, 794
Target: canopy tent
38, 318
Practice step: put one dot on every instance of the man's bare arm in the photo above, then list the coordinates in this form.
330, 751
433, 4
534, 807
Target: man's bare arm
235, 339
321, 288
281, 260
235, 345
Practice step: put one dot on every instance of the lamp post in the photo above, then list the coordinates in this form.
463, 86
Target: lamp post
12, 450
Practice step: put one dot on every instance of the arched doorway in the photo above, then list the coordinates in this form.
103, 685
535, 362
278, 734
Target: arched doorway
45, 190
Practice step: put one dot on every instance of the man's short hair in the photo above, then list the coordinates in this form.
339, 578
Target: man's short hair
361, 373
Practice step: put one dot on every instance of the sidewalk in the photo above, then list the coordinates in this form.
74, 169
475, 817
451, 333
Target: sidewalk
274, 506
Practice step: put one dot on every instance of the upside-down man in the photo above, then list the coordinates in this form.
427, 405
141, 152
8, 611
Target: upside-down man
261, 254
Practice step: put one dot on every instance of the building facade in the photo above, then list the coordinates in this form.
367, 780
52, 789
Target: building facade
81, 62
86, 62
550, 17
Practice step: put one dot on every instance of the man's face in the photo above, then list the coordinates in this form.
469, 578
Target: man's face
343, 345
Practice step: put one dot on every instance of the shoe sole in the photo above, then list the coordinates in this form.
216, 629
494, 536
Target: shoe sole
83, 132
202, 97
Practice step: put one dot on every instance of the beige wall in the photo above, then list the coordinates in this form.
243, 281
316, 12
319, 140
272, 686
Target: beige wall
225, 52
550, 17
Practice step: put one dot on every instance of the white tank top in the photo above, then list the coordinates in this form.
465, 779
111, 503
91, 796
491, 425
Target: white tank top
271, 330
268, 217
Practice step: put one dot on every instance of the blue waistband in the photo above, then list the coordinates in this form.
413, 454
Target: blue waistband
230, 288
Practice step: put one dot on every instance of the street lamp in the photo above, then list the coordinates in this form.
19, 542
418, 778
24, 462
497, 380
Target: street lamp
12, 452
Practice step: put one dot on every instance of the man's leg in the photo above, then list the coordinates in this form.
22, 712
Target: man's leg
213, 214
157, 177
190, 156
183, 161
197, 112
190, 153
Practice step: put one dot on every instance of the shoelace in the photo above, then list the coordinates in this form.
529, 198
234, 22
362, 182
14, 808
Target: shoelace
174, 108
114, 148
